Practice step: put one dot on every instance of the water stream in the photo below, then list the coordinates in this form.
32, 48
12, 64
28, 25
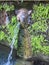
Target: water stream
12, 45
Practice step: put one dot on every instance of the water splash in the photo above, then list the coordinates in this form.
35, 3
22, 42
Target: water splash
7, 20
12, 43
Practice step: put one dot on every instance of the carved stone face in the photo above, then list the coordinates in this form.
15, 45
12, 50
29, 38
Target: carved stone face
3, 18
24, 16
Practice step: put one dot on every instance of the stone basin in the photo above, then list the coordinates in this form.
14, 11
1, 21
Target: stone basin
4, 51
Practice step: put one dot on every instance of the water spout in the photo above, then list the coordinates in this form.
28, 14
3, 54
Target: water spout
12, 44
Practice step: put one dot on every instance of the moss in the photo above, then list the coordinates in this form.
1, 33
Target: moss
38, 30
25, 49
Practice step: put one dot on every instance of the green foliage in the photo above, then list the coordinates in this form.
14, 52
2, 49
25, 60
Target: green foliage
2, 35
0, 7
40, 12
37, 42
7, 7
7, 32
40, 26
40, 15
12, 29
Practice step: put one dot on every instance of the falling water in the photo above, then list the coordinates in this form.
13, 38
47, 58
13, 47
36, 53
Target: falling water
12, 43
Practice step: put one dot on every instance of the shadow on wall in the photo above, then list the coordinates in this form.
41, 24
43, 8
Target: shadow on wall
5, 51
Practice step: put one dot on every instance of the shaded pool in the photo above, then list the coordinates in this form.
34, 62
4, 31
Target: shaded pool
4, 51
